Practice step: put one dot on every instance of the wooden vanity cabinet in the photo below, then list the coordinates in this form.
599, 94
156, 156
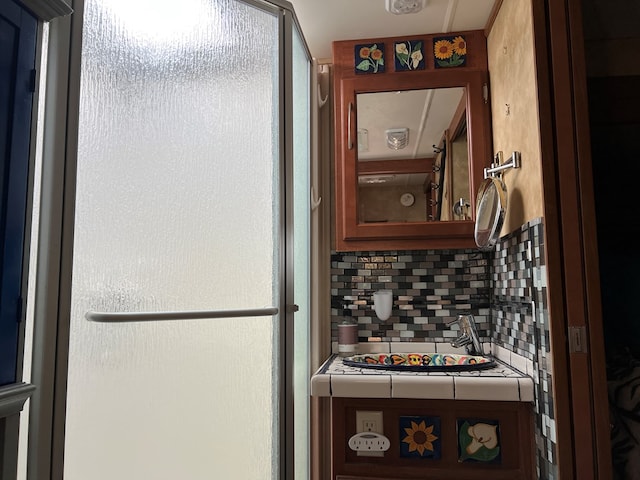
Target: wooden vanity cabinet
351, 232
515, 432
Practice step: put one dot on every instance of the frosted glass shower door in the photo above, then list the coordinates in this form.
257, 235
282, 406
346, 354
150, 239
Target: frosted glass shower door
178, 209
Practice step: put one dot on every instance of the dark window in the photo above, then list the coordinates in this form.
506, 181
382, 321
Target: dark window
17, 63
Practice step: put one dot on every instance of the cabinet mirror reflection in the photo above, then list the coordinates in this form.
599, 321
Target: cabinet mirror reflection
412, 156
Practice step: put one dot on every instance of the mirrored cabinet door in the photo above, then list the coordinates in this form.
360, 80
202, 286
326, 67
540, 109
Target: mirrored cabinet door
412, 157
410, 150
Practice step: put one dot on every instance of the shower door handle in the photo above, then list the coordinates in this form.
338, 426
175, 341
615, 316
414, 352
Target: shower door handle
123, 317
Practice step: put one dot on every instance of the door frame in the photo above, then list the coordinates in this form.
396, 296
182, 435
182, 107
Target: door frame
16, 395
581, 404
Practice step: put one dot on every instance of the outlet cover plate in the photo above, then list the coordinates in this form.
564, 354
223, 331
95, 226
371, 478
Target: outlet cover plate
369, 421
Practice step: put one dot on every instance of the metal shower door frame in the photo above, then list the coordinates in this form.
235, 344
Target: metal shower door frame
55, 243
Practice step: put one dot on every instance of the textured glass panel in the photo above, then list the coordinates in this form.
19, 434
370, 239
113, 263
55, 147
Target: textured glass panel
301, 222
176, 210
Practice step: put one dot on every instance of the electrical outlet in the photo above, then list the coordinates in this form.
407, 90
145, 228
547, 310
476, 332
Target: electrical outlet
369, 421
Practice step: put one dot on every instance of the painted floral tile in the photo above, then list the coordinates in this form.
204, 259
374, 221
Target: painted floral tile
369, 58
420, 437
408, 55
478, 440
449, 51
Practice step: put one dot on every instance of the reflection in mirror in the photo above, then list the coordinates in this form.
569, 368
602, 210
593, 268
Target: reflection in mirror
412, 142
393, 197
455, 186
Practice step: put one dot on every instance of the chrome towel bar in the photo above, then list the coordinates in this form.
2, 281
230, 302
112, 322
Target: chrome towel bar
120, 317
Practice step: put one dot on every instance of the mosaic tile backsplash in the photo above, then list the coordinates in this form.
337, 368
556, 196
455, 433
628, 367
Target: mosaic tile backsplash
520, 318
430, 288
504, 289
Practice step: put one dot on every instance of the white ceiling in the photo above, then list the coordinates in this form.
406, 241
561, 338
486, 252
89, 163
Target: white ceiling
323, 21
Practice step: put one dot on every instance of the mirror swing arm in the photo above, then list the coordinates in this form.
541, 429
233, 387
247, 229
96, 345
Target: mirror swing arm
497, 166
353, 234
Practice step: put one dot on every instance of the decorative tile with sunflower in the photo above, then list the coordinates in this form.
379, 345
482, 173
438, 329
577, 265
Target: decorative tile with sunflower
408, 55
478, 440
369, 58
420, 437
449, 51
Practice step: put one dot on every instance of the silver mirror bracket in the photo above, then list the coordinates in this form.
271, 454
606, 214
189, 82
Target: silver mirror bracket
497, 166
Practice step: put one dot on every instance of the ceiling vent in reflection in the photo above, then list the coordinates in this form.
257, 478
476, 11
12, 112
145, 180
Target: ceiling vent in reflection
401, 7
397, 138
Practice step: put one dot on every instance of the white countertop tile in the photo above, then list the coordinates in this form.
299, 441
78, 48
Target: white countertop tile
498, 383
361, 386
438, 387
503, 389
526, 389
321, 385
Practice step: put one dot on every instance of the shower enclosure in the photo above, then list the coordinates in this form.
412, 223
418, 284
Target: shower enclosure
184, 279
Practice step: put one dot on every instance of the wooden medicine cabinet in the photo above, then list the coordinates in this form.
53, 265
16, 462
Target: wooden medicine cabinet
411, 145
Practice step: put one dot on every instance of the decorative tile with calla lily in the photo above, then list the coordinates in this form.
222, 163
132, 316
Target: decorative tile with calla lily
449, 51
409, 55
479, 441
420, 437
369, 58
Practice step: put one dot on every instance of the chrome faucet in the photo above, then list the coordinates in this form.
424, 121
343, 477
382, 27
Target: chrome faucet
468, 334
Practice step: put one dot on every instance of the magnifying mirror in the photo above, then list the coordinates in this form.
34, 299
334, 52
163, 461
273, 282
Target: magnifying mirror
491, 207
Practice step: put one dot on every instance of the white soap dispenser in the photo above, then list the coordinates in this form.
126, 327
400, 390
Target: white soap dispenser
382, 303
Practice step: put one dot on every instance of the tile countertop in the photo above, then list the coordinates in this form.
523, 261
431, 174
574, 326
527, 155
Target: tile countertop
502, 382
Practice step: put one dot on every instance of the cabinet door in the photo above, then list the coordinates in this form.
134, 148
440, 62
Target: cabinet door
401, 162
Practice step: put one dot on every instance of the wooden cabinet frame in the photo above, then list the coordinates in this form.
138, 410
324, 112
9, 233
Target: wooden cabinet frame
352, 235
516, 434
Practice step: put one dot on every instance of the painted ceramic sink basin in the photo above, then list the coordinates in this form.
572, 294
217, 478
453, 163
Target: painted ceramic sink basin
440, 362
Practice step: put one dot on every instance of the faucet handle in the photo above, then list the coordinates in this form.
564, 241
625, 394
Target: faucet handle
453, 322
462, 316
